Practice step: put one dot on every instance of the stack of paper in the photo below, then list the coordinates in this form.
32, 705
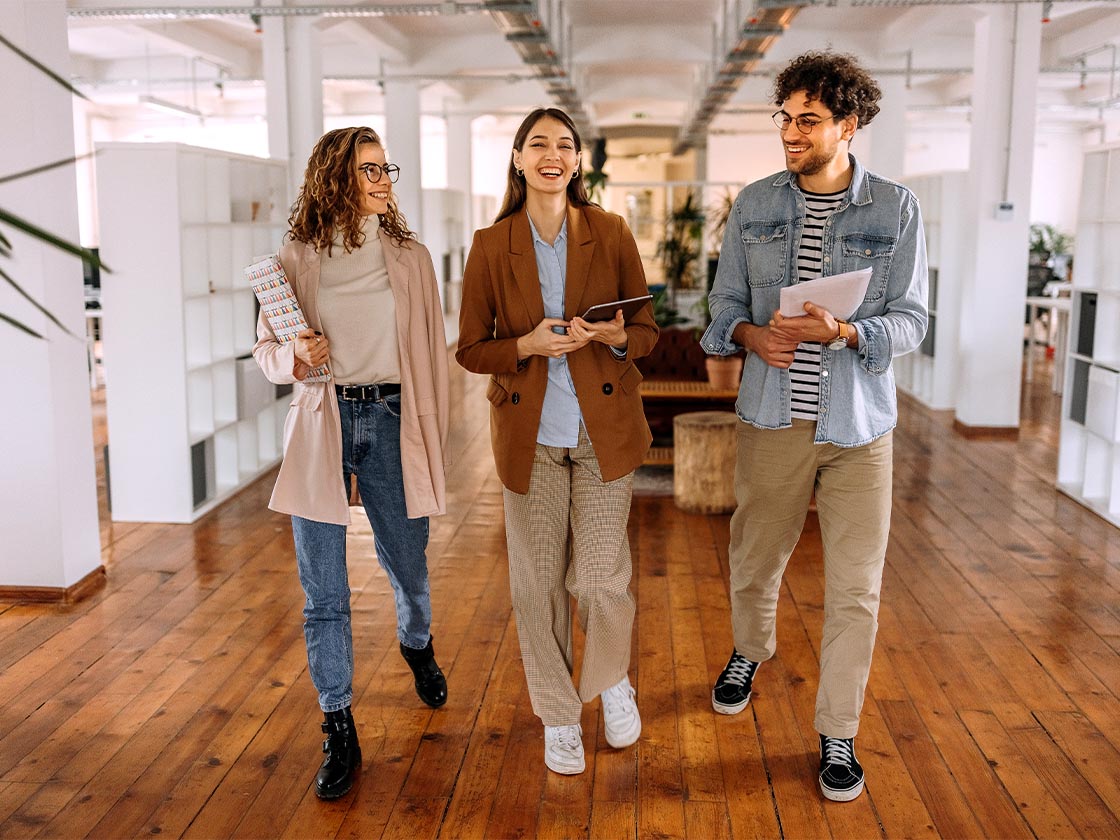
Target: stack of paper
278, 302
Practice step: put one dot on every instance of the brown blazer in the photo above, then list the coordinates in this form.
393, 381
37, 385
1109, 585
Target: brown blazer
310, 480
502, 301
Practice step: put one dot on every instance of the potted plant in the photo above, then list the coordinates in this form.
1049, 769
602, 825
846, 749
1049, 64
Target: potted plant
679, 251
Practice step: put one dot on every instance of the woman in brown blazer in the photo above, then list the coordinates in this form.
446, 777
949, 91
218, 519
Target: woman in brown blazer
566, 423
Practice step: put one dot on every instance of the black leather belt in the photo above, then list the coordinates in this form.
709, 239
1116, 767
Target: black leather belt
367, 393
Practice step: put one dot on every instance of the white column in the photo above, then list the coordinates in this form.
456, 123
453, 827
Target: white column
1005, 76
402, 142
293, 75
48, 490
459, 165
884, 150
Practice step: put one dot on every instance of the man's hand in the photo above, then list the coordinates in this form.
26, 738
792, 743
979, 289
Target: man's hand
773, 348
816, 324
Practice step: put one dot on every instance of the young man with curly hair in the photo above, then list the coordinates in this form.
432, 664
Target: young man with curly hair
818, 396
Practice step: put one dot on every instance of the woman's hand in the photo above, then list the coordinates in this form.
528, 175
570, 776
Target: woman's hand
544, 341
611, 332
312, 348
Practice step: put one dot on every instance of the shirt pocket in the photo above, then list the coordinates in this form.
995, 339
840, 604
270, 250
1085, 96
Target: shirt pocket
868, 250
766, 245
307, 397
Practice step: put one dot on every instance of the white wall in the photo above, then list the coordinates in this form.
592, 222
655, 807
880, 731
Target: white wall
1056, 182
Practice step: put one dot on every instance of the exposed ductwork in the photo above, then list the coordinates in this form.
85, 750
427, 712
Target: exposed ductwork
755, 37
456, 7
540, 46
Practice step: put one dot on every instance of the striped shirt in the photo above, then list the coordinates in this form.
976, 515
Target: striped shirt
805, 372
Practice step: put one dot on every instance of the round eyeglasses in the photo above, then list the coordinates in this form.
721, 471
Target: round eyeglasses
373, 172
805, 124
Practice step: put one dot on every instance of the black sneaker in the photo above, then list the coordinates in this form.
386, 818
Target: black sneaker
841, 775
733, 688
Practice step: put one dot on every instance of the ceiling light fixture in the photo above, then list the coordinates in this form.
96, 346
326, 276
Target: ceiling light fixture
170, 107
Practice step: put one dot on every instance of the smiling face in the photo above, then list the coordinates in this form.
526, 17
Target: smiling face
373, 197
819, 152
548, 157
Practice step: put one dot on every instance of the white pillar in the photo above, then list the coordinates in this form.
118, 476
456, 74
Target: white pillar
1005, 77
884, 150
48, 490
459, 165
293, 76
402, 142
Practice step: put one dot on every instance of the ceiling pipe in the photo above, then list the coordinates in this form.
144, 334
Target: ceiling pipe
356, 11
754, 37
540, 41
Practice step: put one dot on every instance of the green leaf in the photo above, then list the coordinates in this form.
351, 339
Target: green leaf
46, 167
78, 251
18, 325
42, 67
36, 304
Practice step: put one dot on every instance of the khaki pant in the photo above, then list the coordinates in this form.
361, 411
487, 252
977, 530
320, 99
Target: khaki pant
567, 537
776, 471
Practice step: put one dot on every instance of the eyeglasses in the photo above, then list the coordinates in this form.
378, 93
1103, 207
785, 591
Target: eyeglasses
805, 124
373, 172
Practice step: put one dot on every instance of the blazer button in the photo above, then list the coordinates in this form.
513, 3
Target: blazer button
608, 388
516, 398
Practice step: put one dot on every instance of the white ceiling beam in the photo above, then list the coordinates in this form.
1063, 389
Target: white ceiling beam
361, 33
909, 29
1091, 37
190, 40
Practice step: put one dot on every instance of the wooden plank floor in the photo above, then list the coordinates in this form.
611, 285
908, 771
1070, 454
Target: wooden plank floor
176, 701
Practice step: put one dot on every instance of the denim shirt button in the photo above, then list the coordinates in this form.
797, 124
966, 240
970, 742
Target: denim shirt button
867, 253
824, 373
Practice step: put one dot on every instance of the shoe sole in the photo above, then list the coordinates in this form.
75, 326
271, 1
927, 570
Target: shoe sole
729, 709
565, 771
841, 795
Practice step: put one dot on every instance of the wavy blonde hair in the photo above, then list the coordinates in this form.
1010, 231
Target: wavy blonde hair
329, 199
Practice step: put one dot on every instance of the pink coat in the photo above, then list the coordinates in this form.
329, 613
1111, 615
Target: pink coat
310, 479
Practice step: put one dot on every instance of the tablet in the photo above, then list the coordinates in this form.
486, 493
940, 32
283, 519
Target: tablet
605, 311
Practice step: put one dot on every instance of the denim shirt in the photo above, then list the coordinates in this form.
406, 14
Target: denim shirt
560, 415
878, 225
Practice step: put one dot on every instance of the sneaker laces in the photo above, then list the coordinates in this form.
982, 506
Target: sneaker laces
618, 698
739, 670
838, 751
566, 737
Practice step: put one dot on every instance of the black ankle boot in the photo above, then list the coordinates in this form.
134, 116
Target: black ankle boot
430, 682
344, 756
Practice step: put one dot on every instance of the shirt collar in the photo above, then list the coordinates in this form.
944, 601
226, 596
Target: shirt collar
562, 236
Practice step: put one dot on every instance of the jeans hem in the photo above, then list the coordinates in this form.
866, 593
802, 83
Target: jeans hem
336, 707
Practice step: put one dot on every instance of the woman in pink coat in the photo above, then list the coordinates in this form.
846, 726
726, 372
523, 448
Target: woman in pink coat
368, 291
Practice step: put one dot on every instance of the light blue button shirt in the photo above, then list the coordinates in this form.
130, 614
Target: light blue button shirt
560, 414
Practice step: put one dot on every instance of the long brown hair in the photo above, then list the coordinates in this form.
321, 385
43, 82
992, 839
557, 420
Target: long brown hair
515, 184
328, 199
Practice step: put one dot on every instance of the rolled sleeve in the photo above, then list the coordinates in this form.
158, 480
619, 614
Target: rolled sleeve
902, 326
730, 300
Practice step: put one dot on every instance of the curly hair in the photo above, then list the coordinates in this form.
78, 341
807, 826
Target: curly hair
516, 190
329, 200
835, 79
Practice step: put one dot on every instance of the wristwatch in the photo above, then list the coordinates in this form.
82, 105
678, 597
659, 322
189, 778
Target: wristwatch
841, 340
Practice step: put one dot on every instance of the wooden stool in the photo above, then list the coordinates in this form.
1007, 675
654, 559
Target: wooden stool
704, 461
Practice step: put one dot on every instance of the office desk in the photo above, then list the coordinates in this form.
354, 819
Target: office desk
1057, 335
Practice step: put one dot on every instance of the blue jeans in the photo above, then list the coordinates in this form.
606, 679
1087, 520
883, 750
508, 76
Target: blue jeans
371, 450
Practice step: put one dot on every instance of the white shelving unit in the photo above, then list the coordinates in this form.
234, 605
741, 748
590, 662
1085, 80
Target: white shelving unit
930, 373
191, 419
1089, 446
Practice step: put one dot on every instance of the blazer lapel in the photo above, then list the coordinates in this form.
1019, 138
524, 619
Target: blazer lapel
523, 264
581, 250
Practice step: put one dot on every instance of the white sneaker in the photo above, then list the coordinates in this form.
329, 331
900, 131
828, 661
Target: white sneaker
621, 723
563, 749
